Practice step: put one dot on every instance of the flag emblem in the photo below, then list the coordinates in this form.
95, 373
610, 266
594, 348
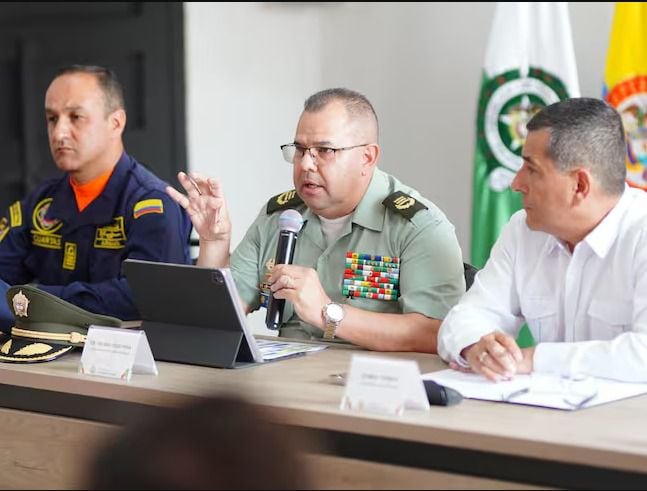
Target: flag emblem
630, 99
625, 83
529, 64
148, 206
508, 101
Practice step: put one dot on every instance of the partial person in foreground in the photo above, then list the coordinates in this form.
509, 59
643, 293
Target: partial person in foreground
70, 235
376, 264
222, 442
572, 264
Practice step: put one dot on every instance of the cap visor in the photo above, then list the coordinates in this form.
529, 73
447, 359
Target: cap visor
19, 350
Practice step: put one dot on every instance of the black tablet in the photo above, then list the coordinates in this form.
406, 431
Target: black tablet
191, 314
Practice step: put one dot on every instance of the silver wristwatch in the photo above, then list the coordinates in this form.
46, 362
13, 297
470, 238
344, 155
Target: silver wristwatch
333, 314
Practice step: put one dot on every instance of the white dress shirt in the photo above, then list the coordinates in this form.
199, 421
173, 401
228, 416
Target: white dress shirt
586, 310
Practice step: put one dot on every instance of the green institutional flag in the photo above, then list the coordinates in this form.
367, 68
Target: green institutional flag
492, 205
529, 64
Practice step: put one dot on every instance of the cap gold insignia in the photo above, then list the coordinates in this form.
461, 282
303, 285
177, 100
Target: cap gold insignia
33, 349
20, 304
6, 347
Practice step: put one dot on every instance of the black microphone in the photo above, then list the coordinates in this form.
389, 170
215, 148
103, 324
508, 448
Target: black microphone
290, 223
439, 395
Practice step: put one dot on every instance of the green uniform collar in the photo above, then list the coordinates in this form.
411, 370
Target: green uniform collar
368, 214
370, 211
312, 228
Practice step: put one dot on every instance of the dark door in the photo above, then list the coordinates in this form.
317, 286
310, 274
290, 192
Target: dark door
142, 42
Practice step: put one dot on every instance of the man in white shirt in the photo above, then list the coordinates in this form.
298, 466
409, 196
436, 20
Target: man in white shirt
572, 264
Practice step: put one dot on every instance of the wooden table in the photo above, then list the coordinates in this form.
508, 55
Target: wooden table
53, 417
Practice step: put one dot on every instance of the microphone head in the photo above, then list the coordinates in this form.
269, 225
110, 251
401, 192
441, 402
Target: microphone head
291, 221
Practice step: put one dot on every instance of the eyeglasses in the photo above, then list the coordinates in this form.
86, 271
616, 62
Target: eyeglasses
293, 153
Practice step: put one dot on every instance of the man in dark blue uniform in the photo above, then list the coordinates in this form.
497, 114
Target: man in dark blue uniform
71, 234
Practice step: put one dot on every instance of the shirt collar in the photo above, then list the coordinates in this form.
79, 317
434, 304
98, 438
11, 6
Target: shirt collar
370, 211
554, 244
602, 237
312, 228
100, 210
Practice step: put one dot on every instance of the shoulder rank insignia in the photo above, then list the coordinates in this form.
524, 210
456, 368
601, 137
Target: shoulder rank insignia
15, 212
283, 201
403, 204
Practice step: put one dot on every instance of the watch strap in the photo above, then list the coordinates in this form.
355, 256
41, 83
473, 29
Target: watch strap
330, 326
329, 330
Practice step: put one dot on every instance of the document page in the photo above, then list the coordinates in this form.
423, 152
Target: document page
545, 390
274, 349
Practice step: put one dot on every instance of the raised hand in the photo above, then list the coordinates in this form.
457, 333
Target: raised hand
205, 204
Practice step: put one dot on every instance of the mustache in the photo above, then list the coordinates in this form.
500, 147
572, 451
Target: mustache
308, 179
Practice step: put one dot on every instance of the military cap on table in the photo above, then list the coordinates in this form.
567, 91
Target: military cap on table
46, 327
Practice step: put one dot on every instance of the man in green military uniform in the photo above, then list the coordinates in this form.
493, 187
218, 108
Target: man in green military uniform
376, 264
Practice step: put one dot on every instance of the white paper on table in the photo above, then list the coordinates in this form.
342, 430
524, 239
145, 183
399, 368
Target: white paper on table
545, 390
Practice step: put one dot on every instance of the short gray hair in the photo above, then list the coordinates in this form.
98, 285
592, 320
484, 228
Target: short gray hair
356, 104
586, 132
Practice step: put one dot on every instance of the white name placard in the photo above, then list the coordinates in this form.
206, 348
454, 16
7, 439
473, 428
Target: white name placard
116, 353
384, 385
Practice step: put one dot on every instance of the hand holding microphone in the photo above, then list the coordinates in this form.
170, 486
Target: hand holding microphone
290, 223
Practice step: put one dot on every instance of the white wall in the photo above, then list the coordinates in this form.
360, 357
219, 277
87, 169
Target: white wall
420, 65
249, 67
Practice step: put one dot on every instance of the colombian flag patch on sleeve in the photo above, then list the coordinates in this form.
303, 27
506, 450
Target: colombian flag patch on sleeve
148, 206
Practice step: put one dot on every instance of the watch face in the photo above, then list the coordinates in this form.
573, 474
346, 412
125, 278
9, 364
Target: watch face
335, 312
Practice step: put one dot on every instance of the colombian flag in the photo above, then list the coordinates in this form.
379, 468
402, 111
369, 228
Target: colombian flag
625, 83
148, 206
